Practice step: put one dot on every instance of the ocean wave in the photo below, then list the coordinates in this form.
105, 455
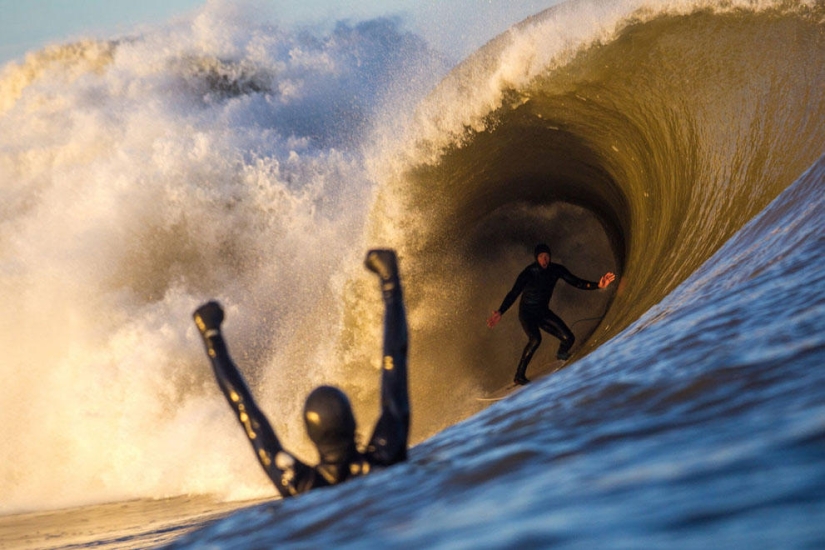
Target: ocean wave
229, 158
632, 137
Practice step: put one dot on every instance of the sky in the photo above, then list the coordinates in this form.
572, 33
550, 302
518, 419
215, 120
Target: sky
454, 27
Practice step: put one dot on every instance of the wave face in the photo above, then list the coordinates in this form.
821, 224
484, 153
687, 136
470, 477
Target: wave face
638, 143
250, 163
700, 424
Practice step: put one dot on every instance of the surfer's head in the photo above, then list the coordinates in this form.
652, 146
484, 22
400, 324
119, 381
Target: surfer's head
542, 255
330, 424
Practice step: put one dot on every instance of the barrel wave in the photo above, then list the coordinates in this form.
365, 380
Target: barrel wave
639, 145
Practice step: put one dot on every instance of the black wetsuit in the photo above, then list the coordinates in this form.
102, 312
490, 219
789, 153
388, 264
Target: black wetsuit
388, 444
536, 288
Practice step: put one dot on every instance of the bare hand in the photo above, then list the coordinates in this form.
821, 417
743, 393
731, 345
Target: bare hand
494, 319
606, 279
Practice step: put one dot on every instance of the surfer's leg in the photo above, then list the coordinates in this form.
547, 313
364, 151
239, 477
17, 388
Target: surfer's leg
552, 323
531, 328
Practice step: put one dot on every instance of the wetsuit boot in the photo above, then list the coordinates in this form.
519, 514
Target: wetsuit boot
563, 353
520, 378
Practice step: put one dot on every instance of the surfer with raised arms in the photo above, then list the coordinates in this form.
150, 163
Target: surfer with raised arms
535, 284
328, 415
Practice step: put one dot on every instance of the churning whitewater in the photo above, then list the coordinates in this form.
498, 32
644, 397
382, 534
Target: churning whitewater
222, 159
678, 144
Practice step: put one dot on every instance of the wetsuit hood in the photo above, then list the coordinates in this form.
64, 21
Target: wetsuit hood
541, 248
330, 424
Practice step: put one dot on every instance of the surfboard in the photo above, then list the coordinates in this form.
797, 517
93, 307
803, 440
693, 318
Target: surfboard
532, 373
500, 393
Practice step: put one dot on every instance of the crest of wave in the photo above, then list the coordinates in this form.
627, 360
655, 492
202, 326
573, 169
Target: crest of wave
486, 80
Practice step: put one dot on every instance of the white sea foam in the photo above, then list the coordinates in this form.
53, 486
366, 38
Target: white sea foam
216, 158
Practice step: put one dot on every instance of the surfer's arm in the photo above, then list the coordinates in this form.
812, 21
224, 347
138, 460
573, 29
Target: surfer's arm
388, 443
518, 287
289, 474
582, 284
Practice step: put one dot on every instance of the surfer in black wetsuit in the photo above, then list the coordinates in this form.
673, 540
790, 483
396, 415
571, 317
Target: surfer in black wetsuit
535, 284
327, 411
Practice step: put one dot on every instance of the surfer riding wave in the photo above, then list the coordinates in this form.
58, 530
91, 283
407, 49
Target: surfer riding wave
535, 284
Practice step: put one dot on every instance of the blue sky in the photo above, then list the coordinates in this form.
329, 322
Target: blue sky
30, 24
455, 27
